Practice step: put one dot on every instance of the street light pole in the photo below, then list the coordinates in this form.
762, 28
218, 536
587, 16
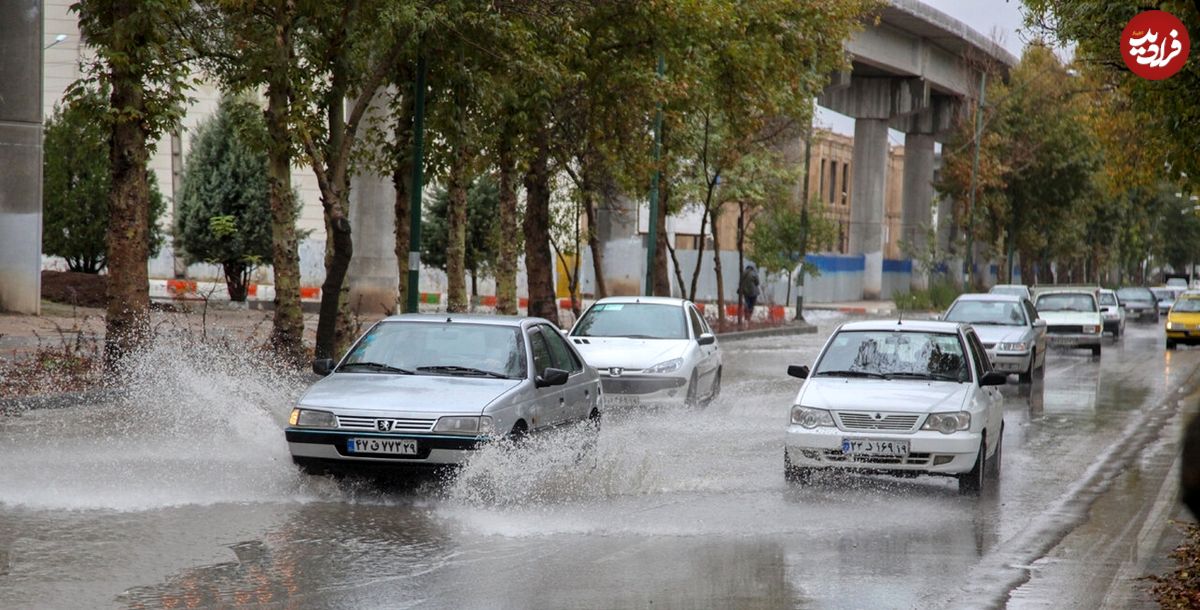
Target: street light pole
652, 236
970, 255
804, 220
418, 185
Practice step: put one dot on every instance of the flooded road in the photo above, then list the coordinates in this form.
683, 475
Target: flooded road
184, 496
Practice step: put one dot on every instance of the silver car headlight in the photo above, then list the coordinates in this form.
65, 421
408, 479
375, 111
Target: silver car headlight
310, 418
808, 417
470, 425
948, 423
1012, 347
665, 367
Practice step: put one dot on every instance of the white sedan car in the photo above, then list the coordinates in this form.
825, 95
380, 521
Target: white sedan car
650, 350
903, 398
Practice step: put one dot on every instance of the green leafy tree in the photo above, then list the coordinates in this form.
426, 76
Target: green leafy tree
482, 238
784, 234
77, 176
224, 211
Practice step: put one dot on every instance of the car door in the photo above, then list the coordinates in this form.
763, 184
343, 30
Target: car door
990, 396
579, 393
549, 409
706, 365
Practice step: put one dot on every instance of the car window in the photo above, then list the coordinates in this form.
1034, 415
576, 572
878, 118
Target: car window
439, 349
1108, 299
697, 328
885, 353
560, 352
1066, 301
979, 354
1135, 294
633, 320
1187, 305
542, 359
1029, 310
1000, 313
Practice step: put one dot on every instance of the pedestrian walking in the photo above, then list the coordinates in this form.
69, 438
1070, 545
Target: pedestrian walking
748, 291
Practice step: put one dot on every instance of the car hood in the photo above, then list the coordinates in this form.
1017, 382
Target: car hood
912, 396
408, 393
636, 354
990, 334
1082, 318
1179, 317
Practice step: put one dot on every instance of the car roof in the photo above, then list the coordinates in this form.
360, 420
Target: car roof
1066, 291
936, 326
641, 299
990, 296
1011, 286
473, 318
1106, 291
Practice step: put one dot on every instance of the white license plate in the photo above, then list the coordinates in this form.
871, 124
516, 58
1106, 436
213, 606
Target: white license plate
1061, 340
622, 400
853, 446
387, 446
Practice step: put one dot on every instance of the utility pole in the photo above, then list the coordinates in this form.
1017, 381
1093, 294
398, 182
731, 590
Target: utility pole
418, 185
804, 221
652, 236
970, 257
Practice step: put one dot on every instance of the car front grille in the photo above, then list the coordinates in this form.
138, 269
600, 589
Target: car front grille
1065, 329
912, 459
401, 424
877, 421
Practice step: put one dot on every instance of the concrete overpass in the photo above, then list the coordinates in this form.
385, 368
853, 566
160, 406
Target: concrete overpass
912, 72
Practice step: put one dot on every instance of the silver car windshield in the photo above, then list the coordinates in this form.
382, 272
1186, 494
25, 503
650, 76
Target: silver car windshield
1066, 302
1001, 313
634, 320
1135, 294
892, 354
424, 348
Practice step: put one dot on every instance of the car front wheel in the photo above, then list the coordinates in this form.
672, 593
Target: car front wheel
971, 483
1027, 376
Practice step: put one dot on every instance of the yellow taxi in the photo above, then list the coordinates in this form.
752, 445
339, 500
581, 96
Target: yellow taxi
1183, 321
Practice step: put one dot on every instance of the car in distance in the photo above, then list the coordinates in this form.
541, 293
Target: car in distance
427, 389
1019, 290
1165, 297
898, 397
1072, 318
1008, 326
1112, 312
650, 350
1139, 303
1183, 321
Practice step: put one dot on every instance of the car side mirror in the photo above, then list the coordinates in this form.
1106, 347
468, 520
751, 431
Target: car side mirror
707, 339
551, 377
322, 366
798, 371
1039, 323
993, 378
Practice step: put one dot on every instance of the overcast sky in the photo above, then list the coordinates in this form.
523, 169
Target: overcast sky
1000, 20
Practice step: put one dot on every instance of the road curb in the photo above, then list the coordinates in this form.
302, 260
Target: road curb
803, 328
14, 405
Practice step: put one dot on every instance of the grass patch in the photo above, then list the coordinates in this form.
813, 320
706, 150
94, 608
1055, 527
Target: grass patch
937, 297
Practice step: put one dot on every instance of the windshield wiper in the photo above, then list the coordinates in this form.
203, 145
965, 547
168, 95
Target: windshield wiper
462, 370
852, 374
934, 376
376, 366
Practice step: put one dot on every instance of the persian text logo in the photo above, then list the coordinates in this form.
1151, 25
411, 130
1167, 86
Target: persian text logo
1155, 45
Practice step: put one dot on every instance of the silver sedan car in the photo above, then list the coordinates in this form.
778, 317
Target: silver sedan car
650, 350
427, 389
1009, 327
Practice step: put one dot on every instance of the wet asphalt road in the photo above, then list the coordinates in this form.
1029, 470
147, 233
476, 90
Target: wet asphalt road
184, 496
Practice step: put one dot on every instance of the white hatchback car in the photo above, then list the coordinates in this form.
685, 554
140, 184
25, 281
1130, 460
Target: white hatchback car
902, 398
650, 350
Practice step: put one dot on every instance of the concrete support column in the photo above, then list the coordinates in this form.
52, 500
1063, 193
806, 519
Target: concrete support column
868, 184
624, 248
21, 155
917, 199
373, 274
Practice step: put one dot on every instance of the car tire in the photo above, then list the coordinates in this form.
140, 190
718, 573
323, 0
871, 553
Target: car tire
995, 463
1096, 351
693, 399
795, 474
519, 432
1170, 344
971, 483
1027, 376
716, 388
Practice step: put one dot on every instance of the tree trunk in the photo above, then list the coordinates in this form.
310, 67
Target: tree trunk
287, 333
716, 216
699, 253
740, 240
337, 261
506, 260
456, 232
127, 316
538, 265
402, 182
662, 279
237, 275
588, 197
